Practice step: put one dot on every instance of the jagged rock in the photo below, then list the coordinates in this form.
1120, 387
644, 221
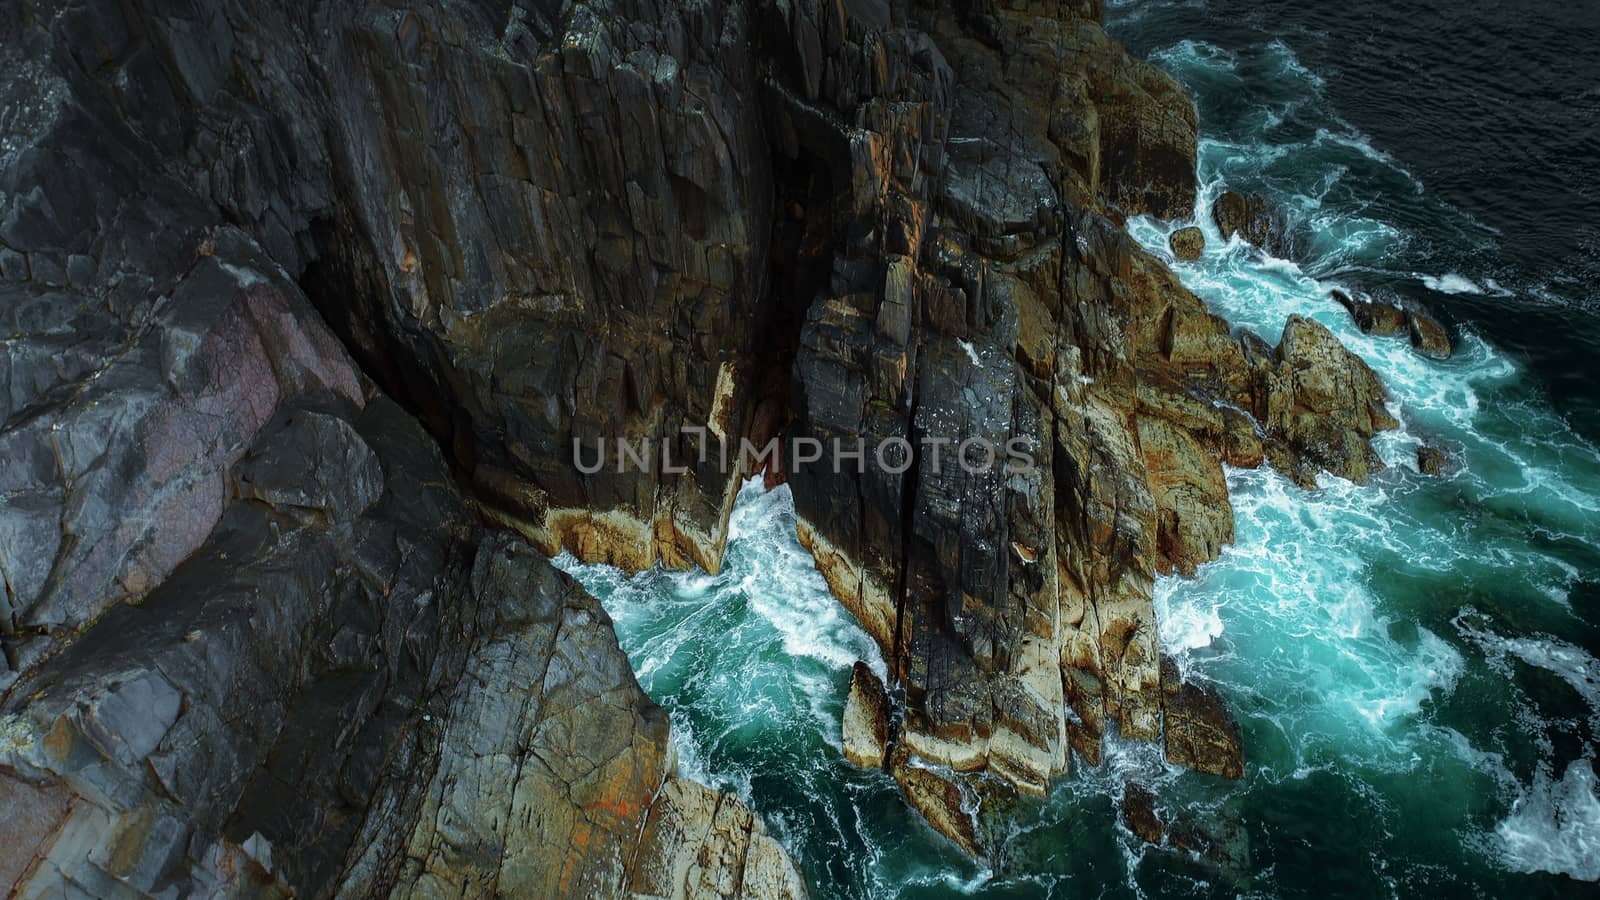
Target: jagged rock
699, 843
866, 719
431, 711
1200, 731
1322, 404
1371, 315
940, 800
1187, 243
1427, 335
534, 232
1193, 519
1253, 218
1432, 460
1139, 813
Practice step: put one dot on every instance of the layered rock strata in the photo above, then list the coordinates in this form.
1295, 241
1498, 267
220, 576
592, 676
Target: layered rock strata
257, 637
540, 225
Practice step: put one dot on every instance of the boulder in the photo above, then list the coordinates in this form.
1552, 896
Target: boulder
940, 801
866, 719
1139, 813
1321, 406
1201, 733
1187, 243
1432, 460
1372, 316
1253, 218
1427, 335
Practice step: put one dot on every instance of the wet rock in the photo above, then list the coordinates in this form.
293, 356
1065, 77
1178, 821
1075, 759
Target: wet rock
1371, 315
1187, 243
940, 801
1432, 460
1322, 405
1200, 731
866, 719
1427, 335
1194, 520
536, 232
1139, 813
1253, 218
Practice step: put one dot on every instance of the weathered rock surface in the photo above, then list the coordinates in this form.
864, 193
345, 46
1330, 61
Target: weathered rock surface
1432, 460
1427, 335
1324, 403
1371, 315
1253, 218
1201, 733
699, 843
257, 638
1187, 243
940, 800
348, 684
866, 719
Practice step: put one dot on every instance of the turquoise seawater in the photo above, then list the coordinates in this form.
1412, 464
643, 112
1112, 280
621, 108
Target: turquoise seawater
1412, 660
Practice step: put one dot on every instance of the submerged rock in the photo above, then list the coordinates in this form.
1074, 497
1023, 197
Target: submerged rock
1139, 813
939, 799
1201, 733
1432, 460
1187, 243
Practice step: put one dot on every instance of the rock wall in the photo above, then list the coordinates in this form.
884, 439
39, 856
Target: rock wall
980, 286
258, 639
243, 593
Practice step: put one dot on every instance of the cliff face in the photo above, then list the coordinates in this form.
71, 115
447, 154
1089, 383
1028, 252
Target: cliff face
257, 635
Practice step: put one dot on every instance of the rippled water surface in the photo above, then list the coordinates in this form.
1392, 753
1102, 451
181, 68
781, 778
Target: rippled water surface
1412, 661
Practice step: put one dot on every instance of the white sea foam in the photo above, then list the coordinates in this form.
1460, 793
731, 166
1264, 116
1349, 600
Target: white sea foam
1451, 283
1554, 826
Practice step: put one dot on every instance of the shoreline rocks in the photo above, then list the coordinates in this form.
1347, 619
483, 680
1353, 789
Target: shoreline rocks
1253, 218
1427, 335
1187, 244
531, 233
1433, 461
866, 719
1383, 318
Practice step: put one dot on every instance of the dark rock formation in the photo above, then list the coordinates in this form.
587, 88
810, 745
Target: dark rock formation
1201, 733
1139, 813
258, 635
1432, 460
1371, 315
1253, 218
1187, 243
348, 682
1427, 335
257, 640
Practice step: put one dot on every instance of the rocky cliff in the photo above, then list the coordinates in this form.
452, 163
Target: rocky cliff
306, 305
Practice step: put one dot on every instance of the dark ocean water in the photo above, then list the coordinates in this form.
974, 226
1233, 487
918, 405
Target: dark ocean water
1413, 661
